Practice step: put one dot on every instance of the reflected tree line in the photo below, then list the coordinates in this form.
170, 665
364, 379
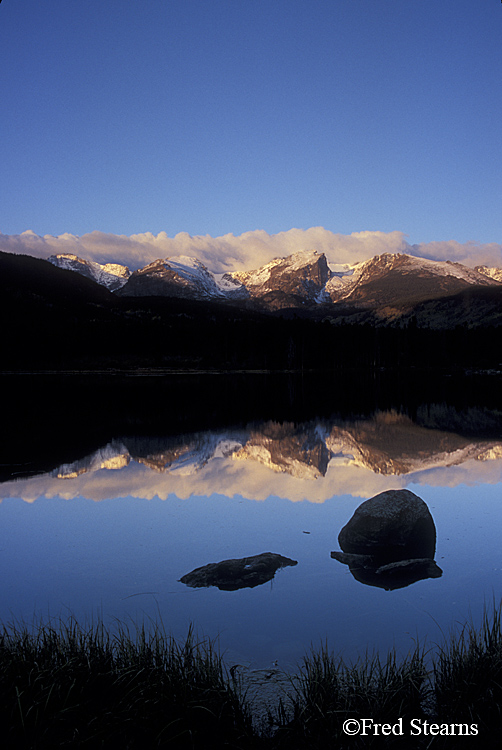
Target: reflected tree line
49, 420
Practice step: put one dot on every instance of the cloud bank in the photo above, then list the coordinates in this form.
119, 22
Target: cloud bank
246, 251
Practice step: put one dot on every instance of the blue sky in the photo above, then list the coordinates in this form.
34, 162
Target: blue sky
227, 116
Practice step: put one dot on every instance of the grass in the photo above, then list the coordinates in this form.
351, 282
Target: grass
327, 692
468, 674
457, 685
63, 685
67, 686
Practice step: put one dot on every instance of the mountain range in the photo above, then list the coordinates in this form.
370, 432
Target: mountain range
302, 280
292, 313
293, 423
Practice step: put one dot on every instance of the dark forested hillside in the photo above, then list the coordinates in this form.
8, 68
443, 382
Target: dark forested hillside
56, 319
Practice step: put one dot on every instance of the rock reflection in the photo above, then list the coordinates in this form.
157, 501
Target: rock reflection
244, 572
390, 541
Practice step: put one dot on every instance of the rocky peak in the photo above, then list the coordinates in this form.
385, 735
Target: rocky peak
303, 274
181, 276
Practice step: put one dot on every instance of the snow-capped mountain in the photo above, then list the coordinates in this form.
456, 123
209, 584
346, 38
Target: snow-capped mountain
301, 279
389, 444
388, 278
302, 275
291, 281
181, 277
111, 275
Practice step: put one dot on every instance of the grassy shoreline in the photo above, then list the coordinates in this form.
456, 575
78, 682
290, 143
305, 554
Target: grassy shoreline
63, 685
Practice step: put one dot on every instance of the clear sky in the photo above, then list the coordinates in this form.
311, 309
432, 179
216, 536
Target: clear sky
227, 116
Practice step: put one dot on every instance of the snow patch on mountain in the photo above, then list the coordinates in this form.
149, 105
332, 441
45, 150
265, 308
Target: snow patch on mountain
111, 457
288, 465
291, 264
230, 286
259, 277
301, 278
491, 273
113, 276
194, 272
182, 276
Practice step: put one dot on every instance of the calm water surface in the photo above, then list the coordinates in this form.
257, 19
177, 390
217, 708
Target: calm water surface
109, 534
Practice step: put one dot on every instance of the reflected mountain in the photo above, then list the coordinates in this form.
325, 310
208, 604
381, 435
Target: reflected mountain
245, 572
389, 444
309, 437
390, 541
299, 450
184, 455
111, 457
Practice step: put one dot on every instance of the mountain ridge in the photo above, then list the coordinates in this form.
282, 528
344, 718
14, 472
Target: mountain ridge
303, 279
398, 311
110, 275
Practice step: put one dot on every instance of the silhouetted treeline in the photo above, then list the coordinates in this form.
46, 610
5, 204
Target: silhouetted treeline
56, 319
189, 335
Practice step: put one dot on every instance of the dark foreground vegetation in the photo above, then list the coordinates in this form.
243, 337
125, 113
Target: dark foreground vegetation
68, 686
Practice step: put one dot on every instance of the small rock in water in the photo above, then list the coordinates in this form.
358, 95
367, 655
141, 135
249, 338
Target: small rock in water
244, 572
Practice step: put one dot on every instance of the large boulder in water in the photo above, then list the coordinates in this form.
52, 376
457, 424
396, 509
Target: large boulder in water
394, 525
244, 572
390, 541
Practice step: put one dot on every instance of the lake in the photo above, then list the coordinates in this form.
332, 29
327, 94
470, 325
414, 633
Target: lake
113, 488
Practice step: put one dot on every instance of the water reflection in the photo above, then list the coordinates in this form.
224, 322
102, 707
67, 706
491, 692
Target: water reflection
311, 460
388, 443
202, 454
390, 541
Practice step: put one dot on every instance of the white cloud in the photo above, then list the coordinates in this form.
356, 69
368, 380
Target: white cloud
469, 253
246, 251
